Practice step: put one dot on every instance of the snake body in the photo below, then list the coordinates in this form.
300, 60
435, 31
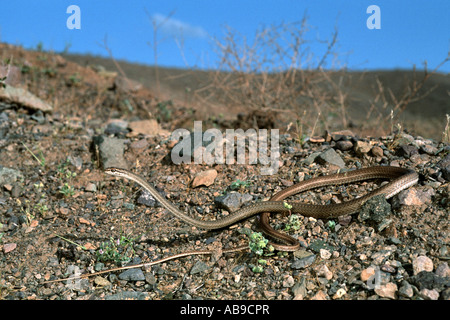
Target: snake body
401, 179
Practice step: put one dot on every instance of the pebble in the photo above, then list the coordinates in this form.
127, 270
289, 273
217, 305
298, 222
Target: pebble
415, 197
204, 178
362, 147
422, 263
330, 156
406, 290
134, 274
102, 282
91, 187
340, 293
367, 273
323, 271
325, 254
387, 291
147, 199
299, 289
344, 145
432, 294
232, 201
8, 247
303, 259
406, 151
288, 282
9, 176
377, 151
444, 165
443, 270
320, 295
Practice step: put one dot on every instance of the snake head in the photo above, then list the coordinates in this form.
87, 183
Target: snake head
114, 171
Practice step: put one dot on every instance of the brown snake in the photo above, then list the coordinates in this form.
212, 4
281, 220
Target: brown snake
400, 179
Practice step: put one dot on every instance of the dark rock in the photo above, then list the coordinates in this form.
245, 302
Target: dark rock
429, 280
406, 151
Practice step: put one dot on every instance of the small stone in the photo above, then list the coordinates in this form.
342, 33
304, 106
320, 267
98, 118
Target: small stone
422, 263
320, 295
443, 270
331, 157
387, 291
344, 145
8, 247
299, 289
23, 97
205, 178
367, 273
406, 151
432, 294
340, 293
429, 149
304, 259
9, 176
134, 274
444, 165
102, 282
362, 147
91, 187
377, 151
323, 271
269, 294
406, 290
325, 254
416, 197
288, 282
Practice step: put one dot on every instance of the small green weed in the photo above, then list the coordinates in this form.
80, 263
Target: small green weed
260, 246
65, 175
239, 184
294, 223
118, 250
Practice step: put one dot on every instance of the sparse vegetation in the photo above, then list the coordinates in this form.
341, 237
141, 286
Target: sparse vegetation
65, 175
118, 250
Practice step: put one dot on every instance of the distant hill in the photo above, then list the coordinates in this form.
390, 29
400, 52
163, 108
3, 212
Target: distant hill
425, 117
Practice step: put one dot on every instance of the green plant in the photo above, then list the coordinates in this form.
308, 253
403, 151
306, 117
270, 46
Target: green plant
238, 184
331, 225
294, 223
118, 250
258, 244
67, 190
65, 175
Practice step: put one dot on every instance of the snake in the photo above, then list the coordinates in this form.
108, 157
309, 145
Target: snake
400, 179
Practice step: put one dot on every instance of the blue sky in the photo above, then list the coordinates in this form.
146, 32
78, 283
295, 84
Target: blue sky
411, 31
